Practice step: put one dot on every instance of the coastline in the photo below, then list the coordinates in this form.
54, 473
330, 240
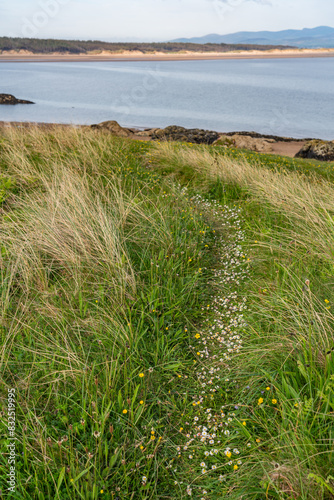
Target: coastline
283, 146
24, 56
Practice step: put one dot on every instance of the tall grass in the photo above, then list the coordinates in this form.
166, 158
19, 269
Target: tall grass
98, 278
289, 221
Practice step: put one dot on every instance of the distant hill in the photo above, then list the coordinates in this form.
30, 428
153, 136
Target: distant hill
320, 37
49, 46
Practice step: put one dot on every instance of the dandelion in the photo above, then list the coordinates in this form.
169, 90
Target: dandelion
235, 467
267, 388
260, 401
274, 401
141, 375
125, 411
244, 423
141, 402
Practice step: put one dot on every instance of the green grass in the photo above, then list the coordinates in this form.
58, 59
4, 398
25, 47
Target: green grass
282, 163
112, 269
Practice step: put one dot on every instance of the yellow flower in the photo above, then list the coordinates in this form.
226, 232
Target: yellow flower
228, 454
258, 440
274, 401
260, 401
141, 375
141, 447
296, 405
141, 402
197, 336
125, 411
153, 437
327, 301
181, 429
101, 491
244, 423
267, 388
235, 467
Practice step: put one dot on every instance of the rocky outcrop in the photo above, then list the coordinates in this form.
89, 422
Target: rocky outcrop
148, 132
114, 128
195, 135
275, 138
317, 150
246, 142
10, 99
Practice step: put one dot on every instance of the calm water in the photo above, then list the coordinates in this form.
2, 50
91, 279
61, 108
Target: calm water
292, 97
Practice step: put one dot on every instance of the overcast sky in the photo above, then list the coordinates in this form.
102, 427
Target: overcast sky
157, 20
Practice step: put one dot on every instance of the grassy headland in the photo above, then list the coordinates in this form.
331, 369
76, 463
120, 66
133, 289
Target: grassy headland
166, 319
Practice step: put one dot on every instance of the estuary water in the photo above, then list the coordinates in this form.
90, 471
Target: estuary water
290, 97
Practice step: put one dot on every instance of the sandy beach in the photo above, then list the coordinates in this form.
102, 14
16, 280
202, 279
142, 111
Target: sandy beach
25, 56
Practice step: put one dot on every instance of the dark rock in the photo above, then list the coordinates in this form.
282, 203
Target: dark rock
114, 128
195, 135
10, 99
276, 138
317, 150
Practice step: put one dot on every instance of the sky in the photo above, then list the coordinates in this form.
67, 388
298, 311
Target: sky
156, 20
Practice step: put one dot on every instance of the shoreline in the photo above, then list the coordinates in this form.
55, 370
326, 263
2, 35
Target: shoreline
158, 56
282, 146
251, 133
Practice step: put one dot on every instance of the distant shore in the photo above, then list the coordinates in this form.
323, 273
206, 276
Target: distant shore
25, 56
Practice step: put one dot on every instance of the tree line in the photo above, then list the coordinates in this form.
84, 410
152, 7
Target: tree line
47, 46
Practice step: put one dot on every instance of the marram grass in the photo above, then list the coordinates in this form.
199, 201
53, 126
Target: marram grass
166, 320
